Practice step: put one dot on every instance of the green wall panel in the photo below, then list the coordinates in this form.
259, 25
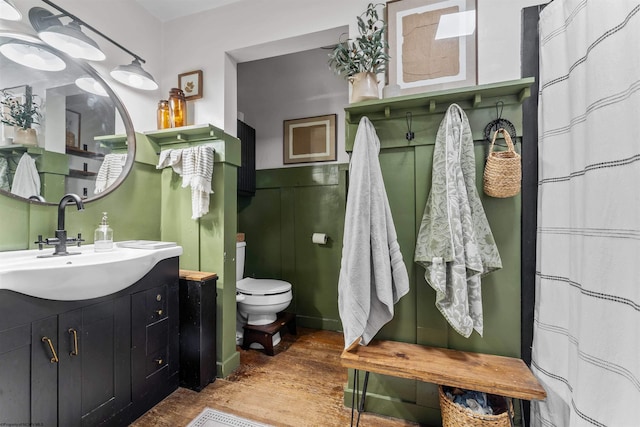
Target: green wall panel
260, 221
290, 205
316, 275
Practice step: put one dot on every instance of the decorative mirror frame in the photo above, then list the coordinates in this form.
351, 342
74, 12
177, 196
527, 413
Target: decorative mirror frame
120, 108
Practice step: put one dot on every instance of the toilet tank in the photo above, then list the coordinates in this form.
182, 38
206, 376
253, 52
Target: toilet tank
240, 248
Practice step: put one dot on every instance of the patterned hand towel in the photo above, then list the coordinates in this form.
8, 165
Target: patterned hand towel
455, 244
195, 166
109, 171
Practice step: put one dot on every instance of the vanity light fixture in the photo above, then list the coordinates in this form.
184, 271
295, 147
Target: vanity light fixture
9, 11
32, 56
91, 85
71, 40
133, 75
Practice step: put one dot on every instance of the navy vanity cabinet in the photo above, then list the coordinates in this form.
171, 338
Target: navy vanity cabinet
155, 353
95, 377
95, 369
20, 357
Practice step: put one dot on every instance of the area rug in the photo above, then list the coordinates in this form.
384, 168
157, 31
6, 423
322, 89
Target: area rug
212, 418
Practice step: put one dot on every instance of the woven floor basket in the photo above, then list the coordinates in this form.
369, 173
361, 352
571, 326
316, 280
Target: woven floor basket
503, 170
454, 415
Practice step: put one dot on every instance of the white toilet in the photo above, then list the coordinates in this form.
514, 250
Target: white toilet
259, 300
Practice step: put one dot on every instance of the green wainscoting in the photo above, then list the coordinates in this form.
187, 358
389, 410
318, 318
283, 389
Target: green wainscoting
292, 203
209, 242
151, 204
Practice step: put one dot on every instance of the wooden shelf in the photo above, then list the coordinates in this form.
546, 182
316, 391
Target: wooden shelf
118, 143
471, 97
19, 149
78, 152
75, 173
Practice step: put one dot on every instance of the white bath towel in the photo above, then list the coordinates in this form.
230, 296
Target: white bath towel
373, 276
195, 166
26, 181
455, 244
109, 171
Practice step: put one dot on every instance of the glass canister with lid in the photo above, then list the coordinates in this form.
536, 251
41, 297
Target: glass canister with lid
164, 119
177, 108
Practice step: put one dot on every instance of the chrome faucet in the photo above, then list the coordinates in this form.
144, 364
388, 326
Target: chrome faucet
61, 240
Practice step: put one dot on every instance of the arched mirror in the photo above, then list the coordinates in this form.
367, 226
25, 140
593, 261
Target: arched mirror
61, 114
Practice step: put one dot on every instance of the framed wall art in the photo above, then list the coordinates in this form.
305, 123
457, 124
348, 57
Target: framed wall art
311, 139
191, 84
432, 45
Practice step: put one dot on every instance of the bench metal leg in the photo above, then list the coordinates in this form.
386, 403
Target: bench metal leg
356, 377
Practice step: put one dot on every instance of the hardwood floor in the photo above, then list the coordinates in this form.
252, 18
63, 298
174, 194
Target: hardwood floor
302, 385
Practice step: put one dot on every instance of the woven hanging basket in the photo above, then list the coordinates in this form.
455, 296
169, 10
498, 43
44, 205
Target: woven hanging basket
503, 170
454, 415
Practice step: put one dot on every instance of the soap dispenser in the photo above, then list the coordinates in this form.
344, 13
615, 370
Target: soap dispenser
103, 236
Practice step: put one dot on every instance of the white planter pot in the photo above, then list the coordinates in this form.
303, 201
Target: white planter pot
25, 136
364, 87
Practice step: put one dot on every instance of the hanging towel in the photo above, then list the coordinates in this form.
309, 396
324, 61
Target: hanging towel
373, 276
4, 175
455, 244
109, 171
195, 166
26, 181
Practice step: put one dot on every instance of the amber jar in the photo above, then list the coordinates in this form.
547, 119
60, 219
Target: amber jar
164, 119
177, 108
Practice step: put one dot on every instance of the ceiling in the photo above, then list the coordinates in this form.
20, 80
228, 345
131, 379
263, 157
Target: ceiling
166, 10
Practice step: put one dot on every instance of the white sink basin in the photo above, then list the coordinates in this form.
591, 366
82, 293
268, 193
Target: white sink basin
87, 275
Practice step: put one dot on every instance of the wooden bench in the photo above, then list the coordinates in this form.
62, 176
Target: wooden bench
504, 376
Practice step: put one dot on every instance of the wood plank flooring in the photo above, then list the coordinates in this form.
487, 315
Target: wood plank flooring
301, 385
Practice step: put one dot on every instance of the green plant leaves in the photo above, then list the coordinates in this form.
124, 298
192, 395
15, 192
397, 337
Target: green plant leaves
365, 53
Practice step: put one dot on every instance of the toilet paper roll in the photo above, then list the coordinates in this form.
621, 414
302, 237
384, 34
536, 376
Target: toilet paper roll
319, 238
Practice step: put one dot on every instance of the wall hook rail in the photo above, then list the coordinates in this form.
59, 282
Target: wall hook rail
499, 123
409, 118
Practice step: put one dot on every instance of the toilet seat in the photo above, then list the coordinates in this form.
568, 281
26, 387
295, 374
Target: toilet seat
262, 287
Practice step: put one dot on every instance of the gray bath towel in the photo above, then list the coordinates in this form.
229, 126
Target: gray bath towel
373, 276
455, 244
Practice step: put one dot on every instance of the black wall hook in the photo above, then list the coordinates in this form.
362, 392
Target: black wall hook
409, 135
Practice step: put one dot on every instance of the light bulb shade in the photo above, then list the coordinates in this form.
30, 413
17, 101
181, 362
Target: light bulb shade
133, 75
71, 40
91, 85
9, 12
32, 56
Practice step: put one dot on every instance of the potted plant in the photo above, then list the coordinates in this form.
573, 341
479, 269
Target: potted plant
360, 59
21, 115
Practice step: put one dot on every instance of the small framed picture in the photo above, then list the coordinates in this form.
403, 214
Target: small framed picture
191, 84
311, 139
72, 128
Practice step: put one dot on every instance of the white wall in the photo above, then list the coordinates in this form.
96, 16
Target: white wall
249, 30
288, 87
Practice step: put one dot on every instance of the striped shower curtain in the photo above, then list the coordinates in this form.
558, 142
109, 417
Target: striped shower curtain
586, 346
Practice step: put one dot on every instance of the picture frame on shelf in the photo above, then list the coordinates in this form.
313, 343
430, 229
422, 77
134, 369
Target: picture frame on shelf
72, 128
310, 139
432, 45
191, 84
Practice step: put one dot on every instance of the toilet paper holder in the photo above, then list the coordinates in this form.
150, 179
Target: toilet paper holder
319, 238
